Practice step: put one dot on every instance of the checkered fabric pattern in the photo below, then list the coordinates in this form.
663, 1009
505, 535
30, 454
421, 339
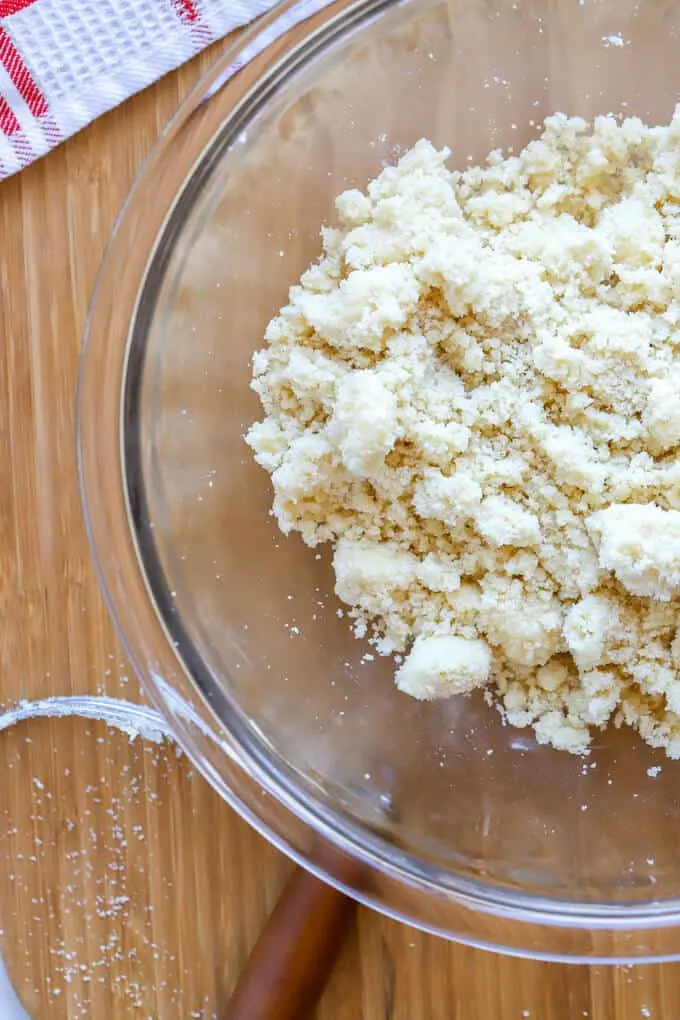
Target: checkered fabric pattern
65, 62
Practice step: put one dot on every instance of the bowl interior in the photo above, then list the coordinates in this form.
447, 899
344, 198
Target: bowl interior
466, 795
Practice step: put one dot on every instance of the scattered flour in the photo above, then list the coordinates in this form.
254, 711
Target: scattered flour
104, 914
474, 397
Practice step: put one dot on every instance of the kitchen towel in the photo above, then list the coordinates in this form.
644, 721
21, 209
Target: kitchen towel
65, 62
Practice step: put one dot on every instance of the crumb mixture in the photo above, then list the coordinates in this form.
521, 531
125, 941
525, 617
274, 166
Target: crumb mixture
475, 397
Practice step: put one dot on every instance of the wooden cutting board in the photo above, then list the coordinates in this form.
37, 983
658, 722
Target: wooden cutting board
128, 890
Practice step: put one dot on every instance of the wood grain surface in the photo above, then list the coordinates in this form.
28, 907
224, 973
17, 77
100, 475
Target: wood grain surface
127, 889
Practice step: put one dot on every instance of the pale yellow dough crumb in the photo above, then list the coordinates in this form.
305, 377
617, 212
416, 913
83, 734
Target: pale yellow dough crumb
475, 397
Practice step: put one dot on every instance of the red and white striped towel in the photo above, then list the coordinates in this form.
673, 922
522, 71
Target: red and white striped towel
65, 62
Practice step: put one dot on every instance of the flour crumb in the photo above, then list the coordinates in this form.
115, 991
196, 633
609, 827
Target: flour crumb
614, 40
472, 397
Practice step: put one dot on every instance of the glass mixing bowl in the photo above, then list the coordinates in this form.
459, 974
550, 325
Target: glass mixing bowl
456, 823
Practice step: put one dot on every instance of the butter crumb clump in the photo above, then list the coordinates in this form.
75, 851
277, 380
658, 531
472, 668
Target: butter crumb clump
474, 395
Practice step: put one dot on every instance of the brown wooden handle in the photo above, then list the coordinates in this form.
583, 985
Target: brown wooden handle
294, 956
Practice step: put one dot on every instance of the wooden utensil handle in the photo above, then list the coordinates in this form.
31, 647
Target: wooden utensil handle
294, 956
